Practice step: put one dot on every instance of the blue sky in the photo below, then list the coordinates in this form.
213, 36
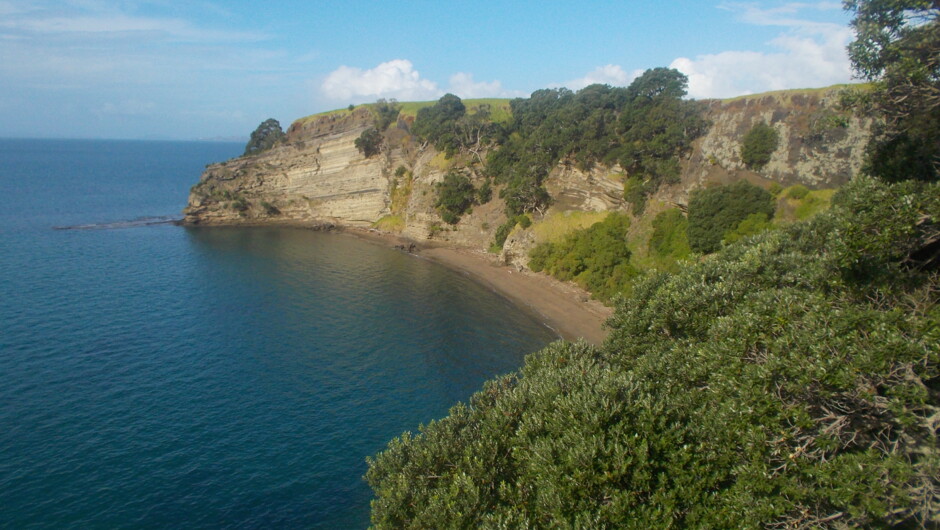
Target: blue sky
200, 69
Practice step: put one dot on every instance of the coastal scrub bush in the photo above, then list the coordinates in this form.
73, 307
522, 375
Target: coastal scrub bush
753, 224
797, 192
758, 145
670, 240
715, 211
788, 381
455, 195
597, 258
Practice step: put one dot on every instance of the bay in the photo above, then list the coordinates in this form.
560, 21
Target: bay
153, 375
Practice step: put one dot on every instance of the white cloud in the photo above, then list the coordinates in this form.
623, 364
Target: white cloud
398, 79
393, 79
610, 74
463, 85
807, 54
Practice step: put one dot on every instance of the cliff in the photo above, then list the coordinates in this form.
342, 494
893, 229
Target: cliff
318, 176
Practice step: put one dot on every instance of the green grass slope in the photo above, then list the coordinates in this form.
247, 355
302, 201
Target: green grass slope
789, 380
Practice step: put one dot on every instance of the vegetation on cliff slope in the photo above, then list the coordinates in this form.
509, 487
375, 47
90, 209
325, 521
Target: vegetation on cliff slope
597, 258
643, 127
790, 380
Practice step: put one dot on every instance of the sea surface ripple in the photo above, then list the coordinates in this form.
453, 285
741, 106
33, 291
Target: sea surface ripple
157, 376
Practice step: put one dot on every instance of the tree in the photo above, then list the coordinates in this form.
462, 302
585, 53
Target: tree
369, 142
264, 137
716, 211
898, 47
758, 145
455, 195
386, 112
437, 124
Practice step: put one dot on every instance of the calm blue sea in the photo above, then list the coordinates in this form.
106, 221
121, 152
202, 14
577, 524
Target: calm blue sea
158, 376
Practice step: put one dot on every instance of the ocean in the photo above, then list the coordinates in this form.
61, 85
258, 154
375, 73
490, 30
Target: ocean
153, 375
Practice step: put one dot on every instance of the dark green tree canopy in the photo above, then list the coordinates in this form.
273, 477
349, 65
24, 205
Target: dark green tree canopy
455, 195
369, 142
645, 127
758, 145
897, 45
264, 137
715, 211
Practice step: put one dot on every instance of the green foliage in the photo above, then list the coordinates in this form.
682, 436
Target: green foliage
503, 230
485, 193
270, 209
669, 240
597, 258
400, 192
644, 127
386, 112
715, 211
264, 137
758, 145
753, 224
775, 189
437, 123
788, 381
809, 206
634, 192
897, 45
798, 192
455, 195
658, 127
369, 142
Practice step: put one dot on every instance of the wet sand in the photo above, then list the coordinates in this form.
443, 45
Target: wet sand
566, 308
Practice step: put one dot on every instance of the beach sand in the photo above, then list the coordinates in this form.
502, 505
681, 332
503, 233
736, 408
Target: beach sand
564, 307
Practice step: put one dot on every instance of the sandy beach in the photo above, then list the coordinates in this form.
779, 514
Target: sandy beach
564, 307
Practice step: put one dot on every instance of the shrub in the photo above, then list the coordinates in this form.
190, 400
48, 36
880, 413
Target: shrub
369, 142
715, 211
485, 193
597, 258
797, 192
670, 239
455, 195
751, 225
634, 192
788, 381
758, 145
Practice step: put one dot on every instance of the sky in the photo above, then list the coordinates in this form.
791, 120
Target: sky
166, 69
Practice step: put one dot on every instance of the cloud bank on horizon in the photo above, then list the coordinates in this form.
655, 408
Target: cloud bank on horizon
171, 69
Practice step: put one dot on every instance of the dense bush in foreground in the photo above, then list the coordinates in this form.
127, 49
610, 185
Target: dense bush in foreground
788, 380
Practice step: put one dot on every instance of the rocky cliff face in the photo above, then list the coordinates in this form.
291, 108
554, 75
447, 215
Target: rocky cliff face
318, 176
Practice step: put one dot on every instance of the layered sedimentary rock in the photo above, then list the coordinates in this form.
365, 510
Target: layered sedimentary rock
317, 175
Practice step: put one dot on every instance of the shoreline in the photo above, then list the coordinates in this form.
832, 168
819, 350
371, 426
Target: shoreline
563, 307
